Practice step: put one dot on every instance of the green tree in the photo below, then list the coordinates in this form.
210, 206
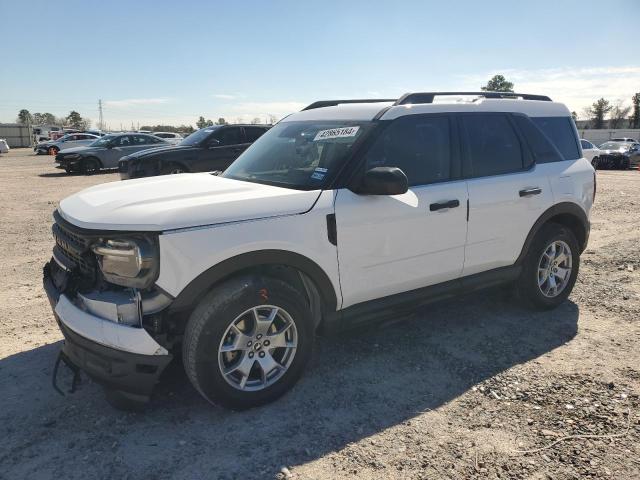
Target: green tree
574, 115
598, 111
201, 123
635, 118
498, 84
221, 121
49, 119
24, 117
74, 120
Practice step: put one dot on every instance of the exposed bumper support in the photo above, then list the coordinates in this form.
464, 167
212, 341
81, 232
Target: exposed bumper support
121, 357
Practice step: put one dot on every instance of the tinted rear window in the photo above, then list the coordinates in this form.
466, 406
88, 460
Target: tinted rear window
561, 132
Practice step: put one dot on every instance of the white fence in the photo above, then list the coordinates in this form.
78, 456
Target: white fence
15, 134
598, 137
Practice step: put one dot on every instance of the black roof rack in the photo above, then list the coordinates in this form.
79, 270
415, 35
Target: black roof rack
427, 97
333, 103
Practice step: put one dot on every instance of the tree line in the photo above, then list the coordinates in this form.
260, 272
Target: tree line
73, 120
601, 114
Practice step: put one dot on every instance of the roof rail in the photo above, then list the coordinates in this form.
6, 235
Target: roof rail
333, 103
427, 97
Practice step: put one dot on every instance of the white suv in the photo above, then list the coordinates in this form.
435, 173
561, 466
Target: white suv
346, 212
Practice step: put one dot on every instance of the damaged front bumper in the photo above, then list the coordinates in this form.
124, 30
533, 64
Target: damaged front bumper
121, 357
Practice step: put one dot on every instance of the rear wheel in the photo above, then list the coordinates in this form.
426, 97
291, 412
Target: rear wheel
550, 267
248, 341
594, 162
53, 150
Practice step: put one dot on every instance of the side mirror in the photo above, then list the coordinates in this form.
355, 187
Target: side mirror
213, 143
384, 181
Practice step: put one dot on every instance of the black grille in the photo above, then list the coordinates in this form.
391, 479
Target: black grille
73, 251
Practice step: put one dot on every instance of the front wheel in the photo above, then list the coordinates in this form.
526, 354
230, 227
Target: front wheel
594, 162
53, 151
550, 267
248, 341
172, 169
90, 165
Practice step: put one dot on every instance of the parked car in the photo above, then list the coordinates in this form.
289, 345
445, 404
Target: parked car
624, 139
208, 149
171, 137
590, 152
619, 154
105, 152
70, 140
340, 214
4, 146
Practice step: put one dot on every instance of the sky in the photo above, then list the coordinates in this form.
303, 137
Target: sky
161, 62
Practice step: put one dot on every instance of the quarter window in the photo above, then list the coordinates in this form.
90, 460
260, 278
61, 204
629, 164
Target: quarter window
492, 145
561, 132
419, 145
543, 150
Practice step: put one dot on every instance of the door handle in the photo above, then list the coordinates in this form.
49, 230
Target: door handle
527, 192
441, 205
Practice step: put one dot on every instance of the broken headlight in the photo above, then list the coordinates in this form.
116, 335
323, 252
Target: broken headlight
129, 262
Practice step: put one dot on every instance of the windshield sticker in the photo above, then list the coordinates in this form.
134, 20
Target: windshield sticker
321, 170
317, 176
336, 133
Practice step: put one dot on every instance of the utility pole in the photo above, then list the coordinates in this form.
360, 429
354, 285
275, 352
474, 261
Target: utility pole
100, 124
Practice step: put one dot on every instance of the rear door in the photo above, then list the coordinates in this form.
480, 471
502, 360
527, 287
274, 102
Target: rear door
507, 191
393, 244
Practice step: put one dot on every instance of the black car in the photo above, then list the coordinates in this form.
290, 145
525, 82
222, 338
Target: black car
208, 149
623, 154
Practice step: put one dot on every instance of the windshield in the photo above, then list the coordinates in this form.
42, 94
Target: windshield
103, 141
614, 146
299, 155
198, 136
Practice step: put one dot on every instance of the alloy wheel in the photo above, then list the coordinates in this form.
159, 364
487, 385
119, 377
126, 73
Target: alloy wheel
554, 268
257, 348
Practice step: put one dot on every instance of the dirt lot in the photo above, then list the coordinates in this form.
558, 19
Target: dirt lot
459, 391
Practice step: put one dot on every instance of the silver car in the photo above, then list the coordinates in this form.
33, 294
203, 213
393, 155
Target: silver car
105, 152
70, 140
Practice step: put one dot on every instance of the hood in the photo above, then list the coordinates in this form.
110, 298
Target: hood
179, 201
160, 150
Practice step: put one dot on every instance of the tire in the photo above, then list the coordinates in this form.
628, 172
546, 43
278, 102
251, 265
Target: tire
209, 331
529, 287
53, 151
172, 169
595, 162
90, 165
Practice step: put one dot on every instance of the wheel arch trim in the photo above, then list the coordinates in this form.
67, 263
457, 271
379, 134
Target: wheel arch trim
195, 289
564, 209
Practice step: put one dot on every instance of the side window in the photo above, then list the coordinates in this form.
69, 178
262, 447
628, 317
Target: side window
253, 133
229, 136
543, 150
492, 145
420, 145
561, 132
123, 141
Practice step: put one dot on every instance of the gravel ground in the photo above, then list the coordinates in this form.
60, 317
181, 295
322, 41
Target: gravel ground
473, 388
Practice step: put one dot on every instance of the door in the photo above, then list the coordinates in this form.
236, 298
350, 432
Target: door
507, 191
120, 146
224, 146
393, 244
